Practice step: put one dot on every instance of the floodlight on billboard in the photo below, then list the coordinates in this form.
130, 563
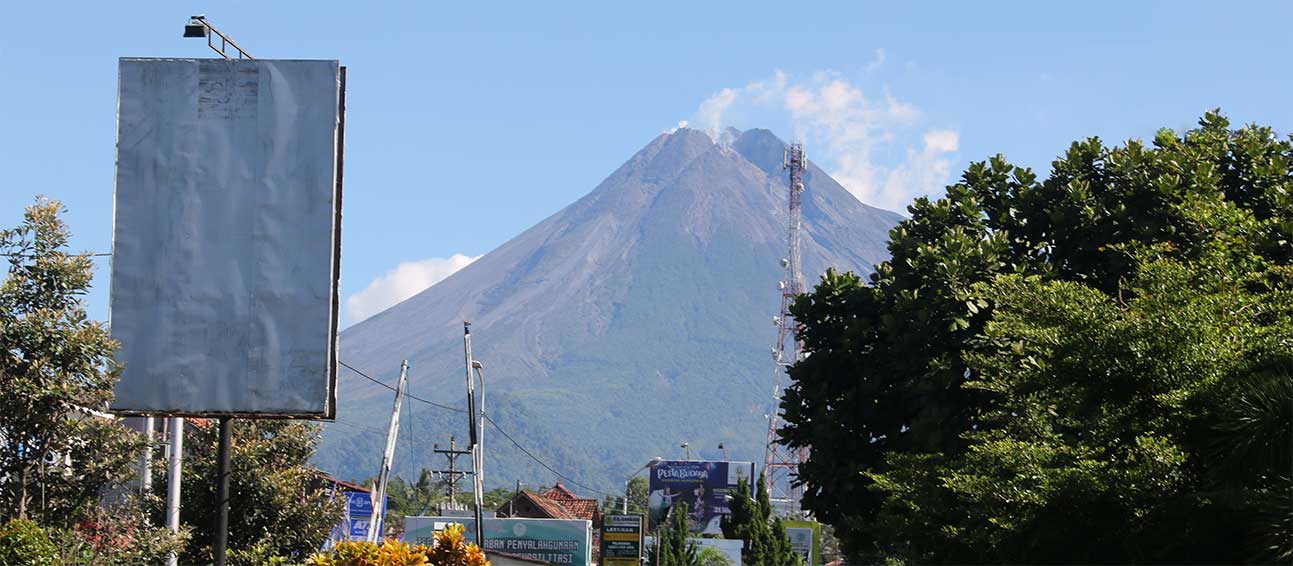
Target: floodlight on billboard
703, 485
226, 236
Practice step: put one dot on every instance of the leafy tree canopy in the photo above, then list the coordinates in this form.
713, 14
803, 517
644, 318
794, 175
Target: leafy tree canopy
1089, 367
672, 546
276, 508
58, 452
751, 520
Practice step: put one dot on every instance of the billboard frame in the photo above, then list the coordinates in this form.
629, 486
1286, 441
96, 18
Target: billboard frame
329, 400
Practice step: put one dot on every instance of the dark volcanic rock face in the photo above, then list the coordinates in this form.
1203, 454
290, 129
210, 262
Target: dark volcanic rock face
636, 318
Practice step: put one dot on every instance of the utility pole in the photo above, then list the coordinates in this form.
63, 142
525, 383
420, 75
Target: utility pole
452, 453
379, 490
477, 487
511, 510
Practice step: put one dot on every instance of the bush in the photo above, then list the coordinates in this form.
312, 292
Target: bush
23, 543
450, 549
118, 535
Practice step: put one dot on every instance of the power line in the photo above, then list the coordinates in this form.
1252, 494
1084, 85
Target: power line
541, 462
509, 437
406, 393
359, 427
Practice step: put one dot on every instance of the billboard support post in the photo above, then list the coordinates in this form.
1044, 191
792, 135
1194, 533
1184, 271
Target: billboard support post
146, 459
222, 492
174, 465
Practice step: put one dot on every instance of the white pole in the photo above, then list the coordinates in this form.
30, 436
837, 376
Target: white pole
480, 428
176, 458
146, 459
379, 490
473, 426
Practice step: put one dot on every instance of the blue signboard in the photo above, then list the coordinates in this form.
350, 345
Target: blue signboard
703, 485
356, 517
359, 512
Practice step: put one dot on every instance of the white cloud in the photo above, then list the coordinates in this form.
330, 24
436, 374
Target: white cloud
876, 62
873, 145
710, 113
407, 279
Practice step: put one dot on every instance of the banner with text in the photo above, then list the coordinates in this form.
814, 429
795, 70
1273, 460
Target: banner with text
703, 485
559, 541
621, 540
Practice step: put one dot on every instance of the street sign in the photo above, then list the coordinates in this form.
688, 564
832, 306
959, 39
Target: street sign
621, 540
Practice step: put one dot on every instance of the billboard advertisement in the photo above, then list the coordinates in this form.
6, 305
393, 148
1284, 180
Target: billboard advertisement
621, 540
226, 236
559, 541
703, 485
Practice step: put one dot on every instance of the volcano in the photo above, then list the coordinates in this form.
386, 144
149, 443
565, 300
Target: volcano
637, 318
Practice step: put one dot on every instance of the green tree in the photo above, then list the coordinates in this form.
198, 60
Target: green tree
58, 452
672, 545
413, 498
637, 496
751, 520
1041, 369
710, 556
276, 509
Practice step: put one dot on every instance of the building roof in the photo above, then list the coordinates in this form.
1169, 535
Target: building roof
552, 509
579, 507
341, 483
559, 492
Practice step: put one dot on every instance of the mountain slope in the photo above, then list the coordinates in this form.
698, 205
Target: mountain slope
634, 319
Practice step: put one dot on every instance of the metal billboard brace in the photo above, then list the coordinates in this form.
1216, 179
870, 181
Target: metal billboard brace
199, 27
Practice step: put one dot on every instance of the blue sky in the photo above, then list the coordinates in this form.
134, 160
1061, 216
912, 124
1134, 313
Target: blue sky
468, 123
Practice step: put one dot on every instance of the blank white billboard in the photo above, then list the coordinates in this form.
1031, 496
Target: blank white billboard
226, 236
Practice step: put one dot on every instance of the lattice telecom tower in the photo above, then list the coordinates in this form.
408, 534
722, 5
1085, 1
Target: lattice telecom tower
781, 464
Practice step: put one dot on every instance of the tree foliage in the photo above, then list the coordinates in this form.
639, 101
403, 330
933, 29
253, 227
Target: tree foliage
56, 457
672, 547
751, 520
637, 498
1089, 367
22, 541
710, 556
276, 509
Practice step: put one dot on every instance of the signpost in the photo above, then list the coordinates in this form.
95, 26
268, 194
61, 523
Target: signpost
621, 540
805, 539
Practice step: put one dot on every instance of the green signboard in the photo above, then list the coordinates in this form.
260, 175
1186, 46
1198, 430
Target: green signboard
621, 540
806, 539
559, 541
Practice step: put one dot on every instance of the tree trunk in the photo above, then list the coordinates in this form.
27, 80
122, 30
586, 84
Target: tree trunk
22, 493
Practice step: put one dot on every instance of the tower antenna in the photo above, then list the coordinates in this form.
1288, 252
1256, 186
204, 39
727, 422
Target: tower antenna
781, 464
